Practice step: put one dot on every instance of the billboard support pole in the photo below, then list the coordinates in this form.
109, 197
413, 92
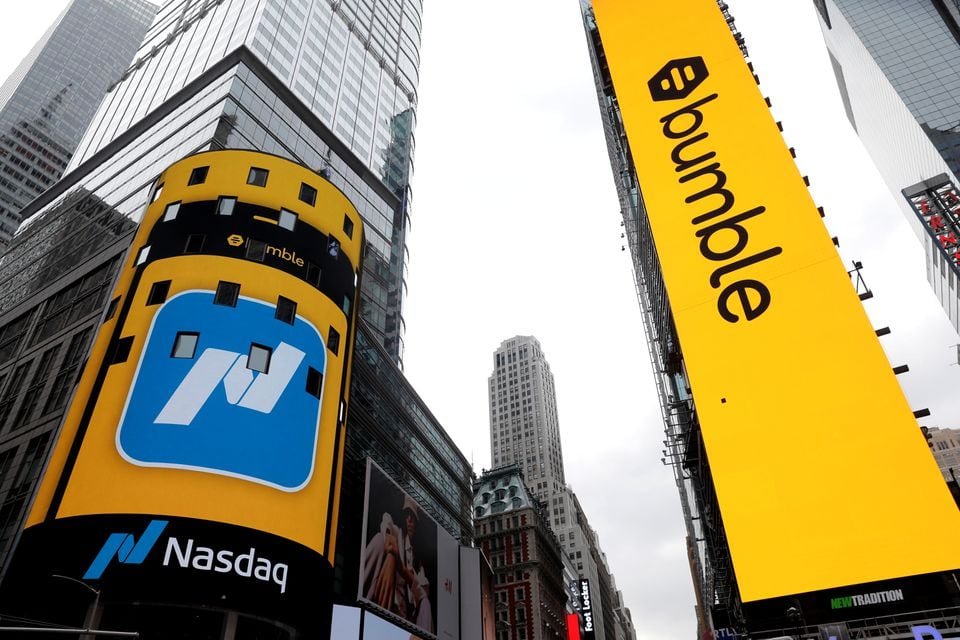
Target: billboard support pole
89, 632
93, 612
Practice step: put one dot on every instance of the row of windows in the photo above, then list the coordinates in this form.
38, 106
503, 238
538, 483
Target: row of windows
502, 523
258, 358
227, 294
254, 250
505, 577
22, 482
257, 177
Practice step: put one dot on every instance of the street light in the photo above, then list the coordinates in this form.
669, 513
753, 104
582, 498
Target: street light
93, 612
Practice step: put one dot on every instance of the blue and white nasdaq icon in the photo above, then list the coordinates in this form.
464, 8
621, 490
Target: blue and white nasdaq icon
226, 390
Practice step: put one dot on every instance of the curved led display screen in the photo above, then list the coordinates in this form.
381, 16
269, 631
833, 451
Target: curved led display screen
200, 460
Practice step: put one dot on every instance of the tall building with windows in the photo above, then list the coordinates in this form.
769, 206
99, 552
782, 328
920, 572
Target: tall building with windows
897, 66
331, 85
514, 532
945, 446
49, 99
524, 429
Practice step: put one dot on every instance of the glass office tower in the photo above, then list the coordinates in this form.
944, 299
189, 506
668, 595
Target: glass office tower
897, 66
331, 85
49, 99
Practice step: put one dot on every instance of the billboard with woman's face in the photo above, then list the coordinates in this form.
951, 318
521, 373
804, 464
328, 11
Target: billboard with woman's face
408, 564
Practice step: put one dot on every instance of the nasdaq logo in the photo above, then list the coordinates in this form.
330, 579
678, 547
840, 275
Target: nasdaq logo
125, 549
226, 390
241, 386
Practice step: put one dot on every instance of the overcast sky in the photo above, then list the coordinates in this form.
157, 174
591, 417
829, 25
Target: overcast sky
516, 230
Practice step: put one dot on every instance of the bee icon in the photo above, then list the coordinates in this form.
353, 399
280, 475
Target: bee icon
678, 79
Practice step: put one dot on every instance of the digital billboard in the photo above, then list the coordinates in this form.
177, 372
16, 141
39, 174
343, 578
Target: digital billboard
409, 565
200, 458
477, 620
586, 610
822, 475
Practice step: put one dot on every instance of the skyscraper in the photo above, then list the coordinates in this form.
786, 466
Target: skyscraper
329, 85
524, 428
525, 431
514, 532
897, 65
49, 99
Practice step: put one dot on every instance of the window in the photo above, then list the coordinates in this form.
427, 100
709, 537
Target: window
259, 358
333, 341
156, 193
30, 464
194, 243
824, 12
112, 308
142, 256
170, 213
257, 177
314, 382
122, 350
288, 219
198, 176
256, 250
346, 305
286, 310
185, 344
225, 206
313, 274
62, 384
308, 194
227, 294
347, 226
158, 292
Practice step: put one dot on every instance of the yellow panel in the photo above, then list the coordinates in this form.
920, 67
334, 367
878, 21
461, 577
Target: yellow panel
101, 481
822, 474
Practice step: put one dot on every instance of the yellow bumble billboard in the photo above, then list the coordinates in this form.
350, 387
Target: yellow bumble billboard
821, 471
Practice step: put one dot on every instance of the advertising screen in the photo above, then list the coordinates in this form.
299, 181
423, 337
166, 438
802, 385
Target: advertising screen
822, 475
476, 596
471, 599
409, 564
573, 626
487, 596
586, 610
200, 458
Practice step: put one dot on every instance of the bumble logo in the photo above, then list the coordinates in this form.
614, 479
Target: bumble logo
678, 79
235, 240
723, 238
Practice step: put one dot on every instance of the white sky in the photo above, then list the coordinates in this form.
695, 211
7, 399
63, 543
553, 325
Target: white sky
516, 230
